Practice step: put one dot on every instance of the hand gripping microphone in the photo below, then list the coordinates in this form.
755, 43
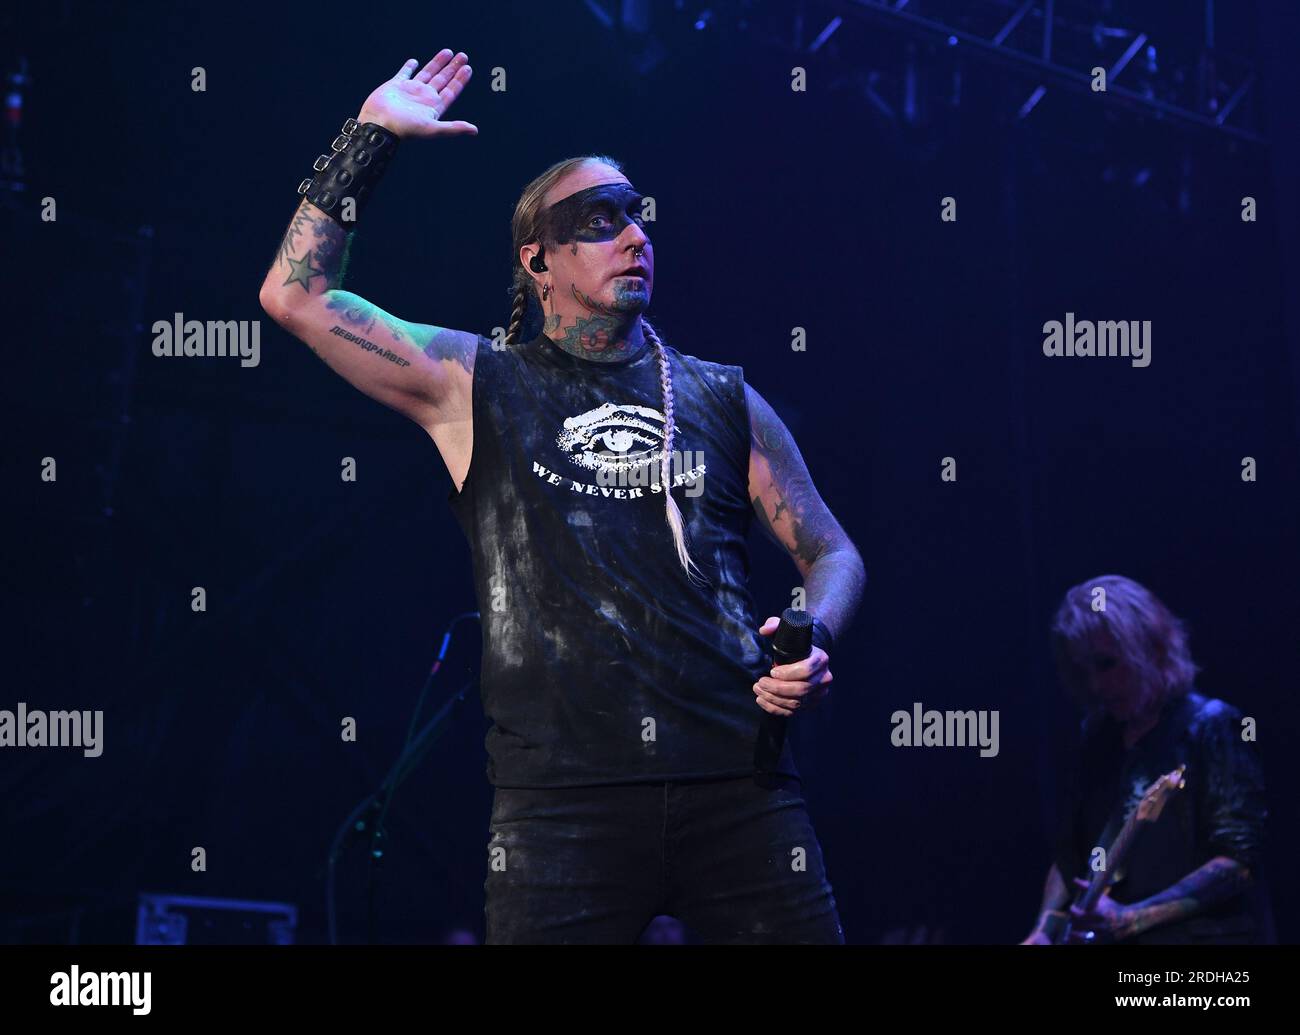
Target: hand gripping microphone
792, 641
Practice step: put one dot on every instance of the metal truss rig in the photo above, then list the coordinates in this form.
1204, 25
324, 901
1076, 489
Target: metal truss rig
955, 27
1025, 35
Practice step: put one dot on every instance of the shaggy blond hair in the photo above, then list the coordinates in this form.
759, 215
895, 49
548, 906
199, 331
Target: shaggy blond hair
1149, 638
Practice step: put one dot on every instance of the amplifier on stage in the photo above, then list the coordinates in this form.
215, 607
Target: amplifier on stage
186, 920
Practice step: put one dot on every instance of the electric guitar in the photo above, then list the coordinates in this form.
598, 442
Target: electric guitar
1154, 799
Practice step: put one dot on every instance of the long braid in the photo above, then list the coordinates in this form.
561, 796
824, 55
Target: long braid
517, 314
673, 511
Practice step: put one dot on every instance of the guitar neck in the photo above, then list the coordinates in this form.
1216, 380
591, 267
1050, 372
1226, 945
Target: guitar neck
1115, 856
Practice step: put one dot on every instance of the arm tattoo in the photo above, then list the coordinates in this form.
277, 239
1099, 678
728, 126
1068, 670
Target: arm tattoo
794, 515
354, 310
1216, 880
332, 244
438, 343
301, 220
363, 315
301, 272
790, 493
370, 346
326, 255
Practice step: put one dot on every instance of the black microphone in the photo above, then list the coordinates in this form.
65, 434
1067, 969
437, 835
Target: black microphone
791, 642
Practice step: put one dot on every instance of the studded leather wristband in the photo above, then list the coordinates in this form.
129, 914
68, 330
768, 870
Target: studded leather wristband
346, 177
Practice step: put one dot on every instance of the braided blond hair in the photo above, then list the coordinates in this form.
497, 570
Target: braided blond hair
517, 312
672, 511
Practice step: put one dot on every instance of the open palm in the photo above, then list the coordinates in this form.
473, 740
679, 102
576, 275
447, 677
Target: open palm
412, 104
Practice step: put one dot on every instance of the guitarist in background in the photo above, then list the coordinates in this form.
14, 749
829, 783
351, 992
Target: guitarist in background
1192, 876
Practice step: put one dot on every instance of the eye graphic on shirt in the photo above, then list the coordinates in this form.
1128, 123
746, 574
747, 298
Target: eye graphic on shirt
614, 437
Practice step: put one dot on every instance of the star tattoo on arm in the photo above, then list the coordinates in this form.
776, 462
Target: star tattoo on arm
303, 271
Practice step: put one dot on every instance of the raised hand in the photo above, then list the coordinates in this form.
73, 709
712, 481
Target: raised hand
412, 104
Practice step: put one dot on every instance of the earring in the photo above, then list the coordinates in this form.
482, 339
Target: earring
546, 292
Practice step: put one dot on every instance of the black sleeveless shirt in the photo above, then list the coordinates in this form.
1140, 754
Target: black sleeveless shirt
602, 661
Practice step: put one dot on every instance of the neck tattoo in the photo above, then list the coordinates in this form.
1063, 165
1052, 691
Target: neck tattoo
601, 335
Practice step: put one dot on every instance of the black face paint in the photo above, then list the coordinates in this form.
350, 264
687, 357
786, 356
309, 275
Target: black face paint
575, 218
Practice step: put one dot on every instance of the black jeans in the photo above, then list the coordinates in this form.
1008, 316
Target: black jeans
734, 860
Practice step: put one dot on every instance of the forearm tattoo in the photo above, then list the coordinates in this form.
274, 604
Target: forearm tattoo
302, 220
1216, 880
314, 246
794, 515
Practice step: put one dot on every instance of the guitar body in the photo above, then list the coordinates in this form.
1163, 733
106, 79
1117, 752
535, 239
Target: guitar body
1059, 926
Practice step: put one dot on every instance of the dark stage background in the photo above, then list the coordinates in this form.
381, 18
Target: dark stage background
776, 209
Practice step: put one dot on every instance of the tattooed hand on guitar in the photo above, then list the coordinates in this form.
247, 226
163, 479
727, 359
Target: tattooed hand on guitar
1104, 922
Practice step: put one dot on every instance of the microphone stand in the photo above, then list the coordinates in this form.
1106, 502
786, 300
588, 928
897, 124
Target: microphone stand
369, 816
